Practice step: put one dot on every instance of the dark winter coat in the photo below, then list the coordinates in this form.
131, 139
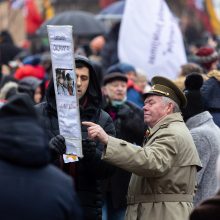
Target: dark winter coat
8, 50
109, 52
211, 94
88, 173
209, 209
30, 188
129, 124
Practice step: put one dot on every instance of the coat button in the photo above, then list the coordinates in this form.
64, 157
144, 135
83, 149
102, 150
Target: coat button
123, 143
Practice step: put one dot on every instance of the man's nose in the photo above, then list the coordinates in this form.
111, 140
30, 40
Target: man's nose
120, 88
145, 107
78, 82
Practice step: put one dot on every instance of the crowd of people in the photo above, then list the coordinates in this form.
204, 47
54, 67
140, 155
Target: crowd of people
150, 148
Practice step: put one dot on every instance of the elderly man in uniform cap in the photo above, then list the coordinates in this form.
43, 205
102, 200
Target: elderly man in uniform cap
164, 169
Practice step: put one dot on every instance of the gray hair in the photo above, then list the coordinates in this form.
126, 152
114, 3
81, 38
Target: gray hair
167, 100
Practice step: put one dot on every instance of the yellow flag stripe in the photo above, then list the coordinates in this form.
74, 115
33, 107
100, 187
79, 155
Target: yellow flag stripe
215, 22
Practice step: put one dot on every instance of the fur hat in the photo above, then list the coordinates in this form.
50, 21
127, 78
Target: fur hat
195, 104
206, 56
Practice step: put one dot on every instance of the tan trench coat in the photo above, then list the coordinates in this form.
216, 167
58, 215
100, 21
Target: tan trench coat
164, 171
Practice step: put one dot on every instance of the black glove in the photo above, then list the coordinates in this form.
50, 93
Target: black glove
57, 146
89, 148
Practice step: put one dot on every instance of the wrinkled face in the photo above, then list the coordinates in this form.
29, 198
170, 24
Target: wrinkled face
155, 109
38, 95
116, 90
82, 82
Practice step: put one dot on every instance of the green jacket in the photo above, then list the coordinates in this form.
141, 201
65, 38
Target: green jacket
164, 171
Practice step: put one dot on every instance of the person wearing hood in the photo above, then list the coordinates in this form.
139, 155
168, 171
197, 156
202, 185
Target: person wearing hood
206, 136
8, 49
32, 87
89, 171
30, 187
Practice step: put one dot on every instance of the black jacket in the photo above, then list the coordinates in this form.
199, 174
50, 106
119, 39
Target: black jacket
88, 173
129, 124
30, 188
211, 94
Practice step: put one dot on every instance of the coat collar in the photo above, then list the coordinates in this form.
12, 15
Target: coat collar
163, 123
198, 119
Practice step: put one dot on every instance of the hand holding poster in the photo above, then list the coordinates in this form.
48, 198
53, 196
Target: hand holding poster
61, 46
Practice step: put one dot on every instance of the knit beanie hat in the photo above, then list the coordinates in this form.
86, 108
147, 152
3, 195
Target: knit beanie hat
120, 68
206, 56
195, 104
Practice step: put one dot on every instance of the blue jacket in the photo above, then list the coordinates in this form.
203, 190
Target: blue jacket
211, 94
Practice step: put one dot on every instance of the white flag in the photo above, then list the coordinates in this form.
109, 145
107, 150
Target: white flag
150, 38
61, 47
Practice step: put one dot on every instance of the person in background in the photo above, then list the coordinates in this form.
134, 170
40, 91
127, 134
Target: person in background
8, 86
8, 49
129, 124
126, 69
209, 209
206, 136
135, 92
30, 187
208, 58
187, 69
109, 52
96, 45
33, 87
211, 94
9, 89
164, 169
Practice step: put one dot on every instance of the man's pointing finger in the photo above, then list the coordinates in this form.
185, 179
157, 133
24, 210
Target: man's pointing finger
88, 123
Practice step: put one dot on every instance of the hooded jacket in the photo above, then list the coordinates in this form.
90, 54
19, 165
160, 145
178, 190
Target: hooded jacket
87, 173
29, 85
30, 188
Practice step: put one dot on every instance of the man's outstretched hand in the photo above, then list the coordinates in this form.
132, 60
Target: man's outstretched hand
96, 132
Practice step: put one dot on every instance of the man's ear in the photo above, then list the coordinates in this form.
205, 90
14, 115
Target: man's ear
170, 107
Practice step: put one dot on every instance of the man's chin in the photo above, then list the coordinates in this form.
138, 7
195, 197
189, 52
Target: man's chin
146, 120
79, 95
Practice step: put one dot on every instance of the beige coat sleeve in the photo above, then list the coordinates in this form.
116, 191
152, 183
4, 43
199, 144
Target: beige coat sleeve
150, 161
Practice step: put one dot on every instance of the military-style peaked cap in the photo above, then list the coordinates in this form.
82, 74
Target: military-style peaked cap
164, 87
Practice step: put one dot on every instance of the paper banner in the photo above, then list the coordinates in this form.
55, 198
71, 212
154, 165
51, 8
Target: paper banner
64, 77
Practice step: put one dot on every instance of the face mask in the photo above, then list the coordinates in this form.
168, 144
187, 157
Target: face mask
116, 103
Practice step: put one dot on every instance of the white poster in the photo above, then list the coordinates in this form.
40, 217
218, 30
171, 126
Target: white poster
61, 47
150, 38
